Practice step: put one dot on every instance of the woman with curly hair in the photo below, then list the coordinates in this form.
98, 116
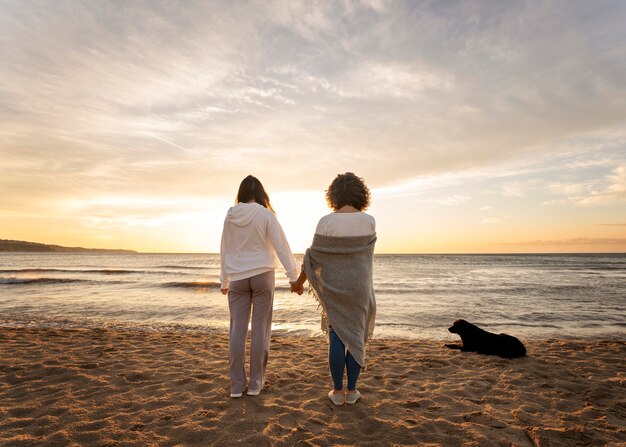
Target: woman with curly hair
338, 266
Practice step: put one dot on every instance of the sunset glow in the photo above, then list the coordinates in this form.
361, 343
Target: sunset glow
478, 127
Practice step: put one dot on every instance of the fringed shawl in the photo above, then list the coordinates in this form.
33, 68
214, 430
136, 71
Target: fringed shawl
339, 270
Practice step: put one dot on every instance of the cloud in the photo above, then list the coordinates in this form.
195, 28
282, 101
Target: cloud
165, 100
572, 188
574, 241
450, 200
491, 221
514, 189
604, 191
329, 77
139, 213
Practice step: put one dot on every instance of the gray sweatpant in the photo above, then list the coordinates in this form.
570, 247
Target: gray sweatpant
257, 293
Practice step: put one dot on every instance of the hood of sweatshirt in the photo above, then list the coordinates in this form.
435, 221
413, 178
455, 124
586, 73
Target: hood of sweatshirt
243, 213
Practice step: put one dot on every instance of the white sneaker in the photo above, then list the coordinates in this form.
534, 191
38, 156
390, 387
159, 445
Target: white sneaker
255, 392
337, 399
235, 395
352, 397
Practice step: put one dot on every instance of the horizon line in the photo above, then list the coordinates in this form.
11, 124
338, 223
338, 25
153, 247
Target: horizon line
418, 253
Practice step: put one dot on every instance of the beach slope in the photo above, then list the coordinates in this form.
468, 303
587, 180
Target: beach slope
102, 387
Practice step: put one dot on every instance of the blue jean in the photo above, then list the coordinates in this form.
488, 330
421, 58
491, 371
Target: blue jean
340, 360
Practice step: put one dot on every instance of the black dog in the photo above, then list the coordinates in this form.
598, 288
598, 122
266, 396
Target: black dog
483, 342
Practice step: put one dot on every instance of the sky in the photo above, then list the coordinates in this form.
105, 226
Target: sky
480, 127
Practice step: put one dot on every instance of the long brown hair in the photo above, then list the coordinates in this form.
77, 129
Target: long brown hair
251, 190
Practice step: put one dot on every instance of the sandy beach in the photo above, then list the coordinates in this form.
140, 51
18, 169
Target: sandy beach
112, 388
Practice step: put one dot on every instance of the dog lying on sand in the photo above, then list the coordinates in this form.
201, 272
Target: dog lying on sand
478, 340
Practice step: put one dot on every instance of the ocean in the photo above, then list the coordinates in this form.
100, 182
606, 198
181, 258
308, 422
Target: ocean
418, 296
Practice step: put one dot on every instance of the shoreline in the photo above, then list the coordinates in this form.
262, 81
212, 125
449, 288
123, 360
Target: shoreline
25, 321
198, 331
119, 387
489, 253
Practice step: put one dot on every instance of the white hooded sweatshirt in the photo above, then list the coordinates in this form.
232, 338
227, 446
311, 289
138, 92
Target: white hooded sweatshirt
251, 239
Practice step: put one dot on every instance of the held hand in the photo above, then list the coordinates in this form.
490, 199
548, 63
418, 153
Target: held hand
297, 288
224, 291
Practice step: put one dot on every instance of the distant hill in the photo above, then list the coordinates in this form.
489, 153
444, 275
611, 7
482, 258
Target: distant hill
21, 246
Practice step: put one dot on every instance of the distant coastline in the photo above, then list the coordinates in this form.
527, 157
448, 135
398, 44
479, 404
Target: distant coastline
34, 247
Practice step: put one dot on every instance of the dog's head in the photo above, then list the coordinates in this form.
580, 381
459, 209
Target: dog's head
459, 326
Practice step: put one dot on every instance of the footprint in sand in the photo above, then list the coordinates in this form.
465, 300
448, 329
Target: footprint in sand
134, 377
483, 419
410, 422
411, 404
88, 365
20, 412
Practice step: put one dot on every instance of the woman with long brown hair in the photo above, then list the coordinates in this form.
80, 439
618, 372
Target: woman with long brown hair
251, 239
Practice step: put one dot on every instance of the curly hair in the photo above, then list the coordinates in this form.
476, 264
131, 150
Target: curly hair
348, 189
